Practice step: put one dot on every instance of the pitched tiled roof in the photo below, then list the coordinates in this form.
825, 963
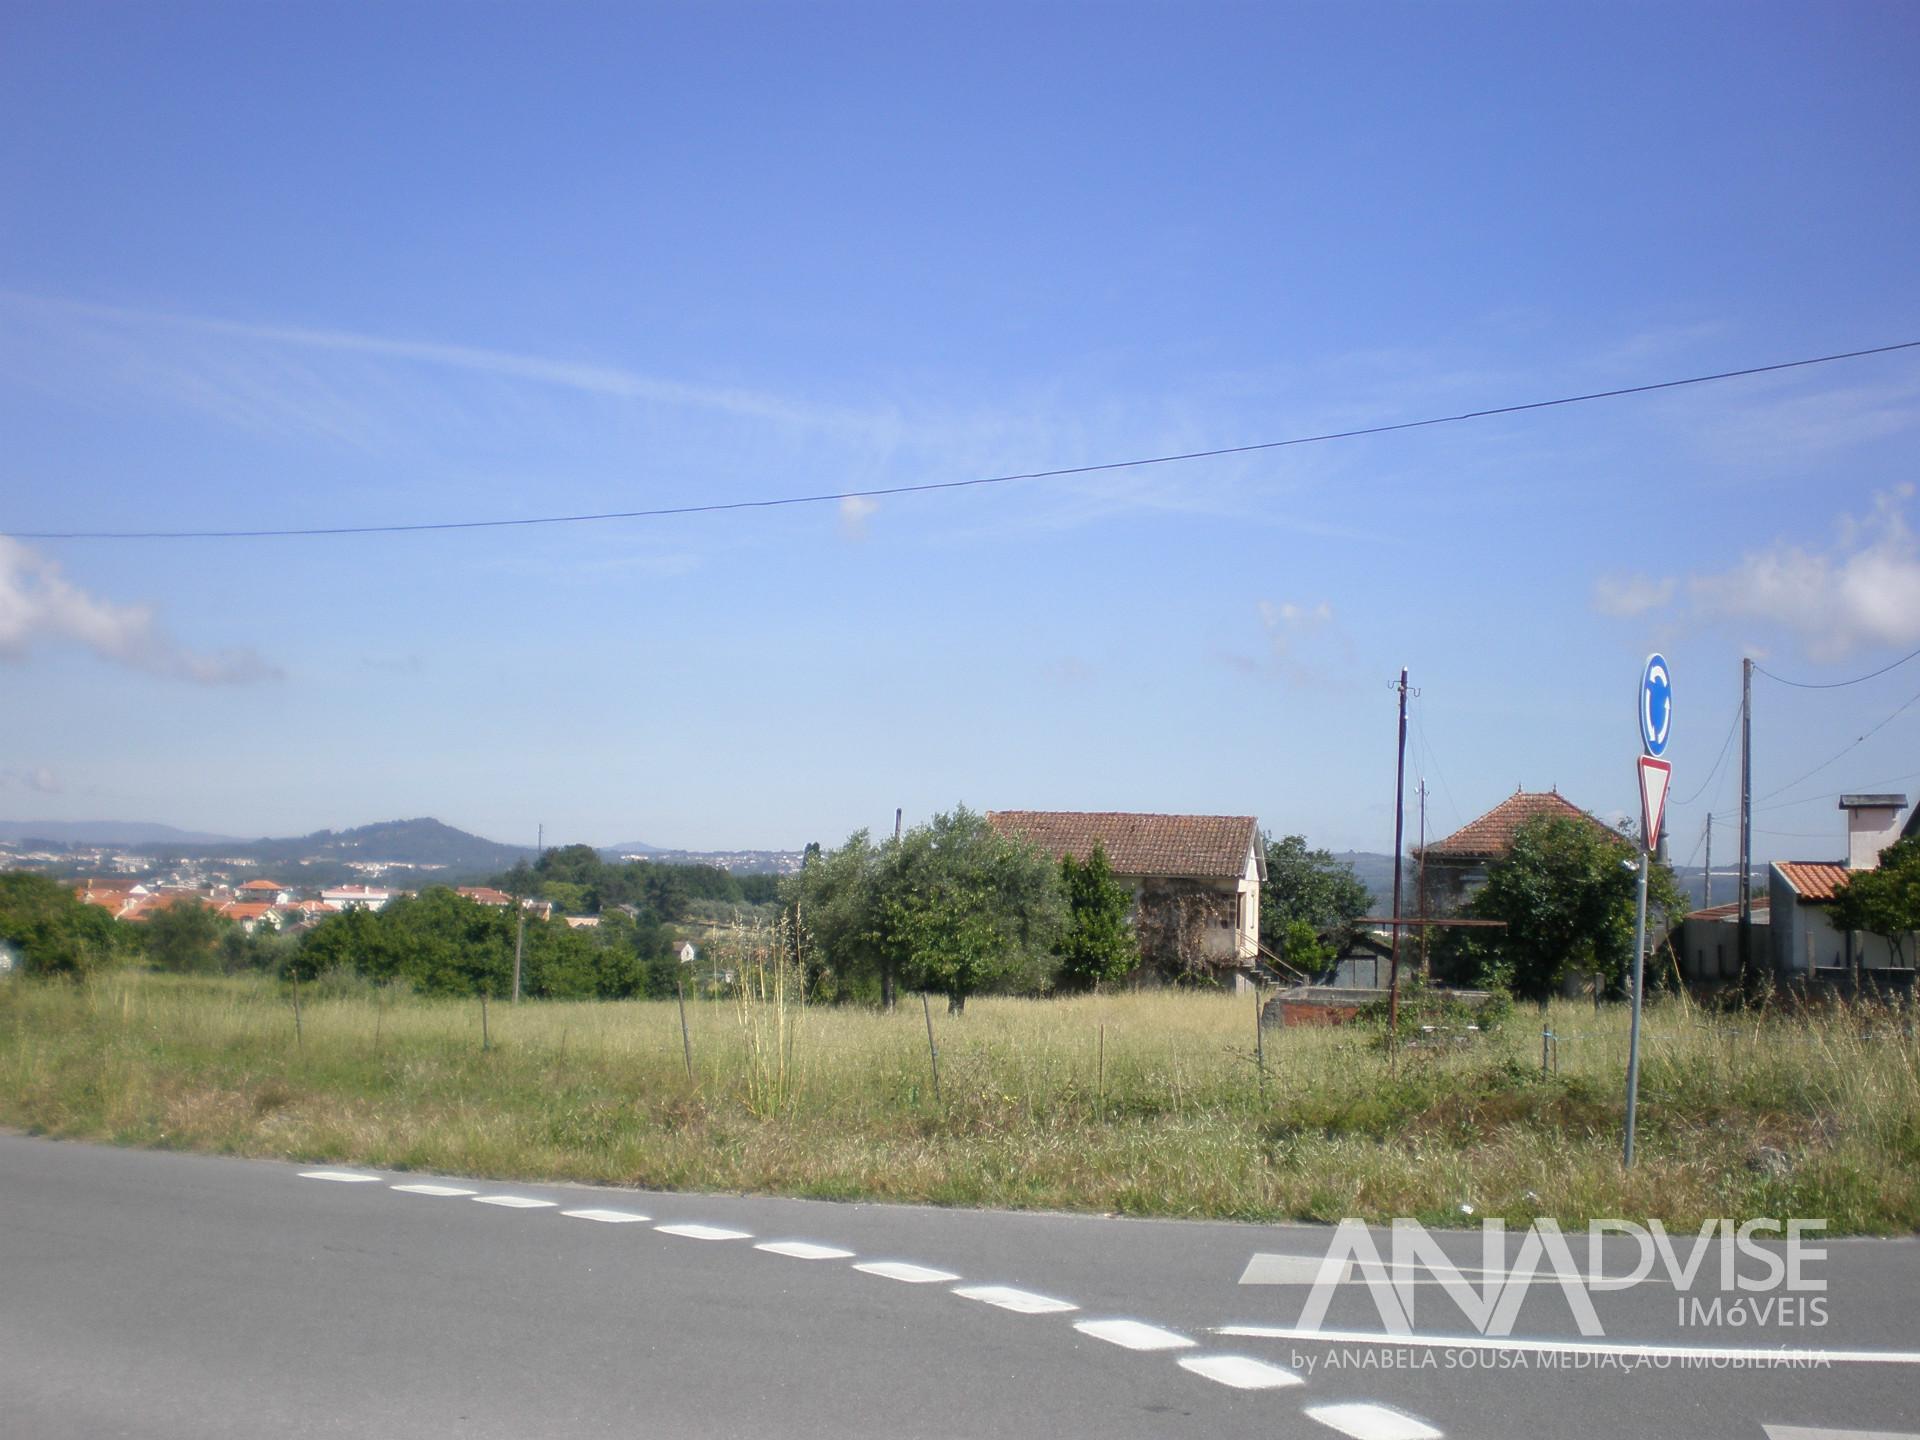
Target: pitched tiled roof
1191, 846
1491, 836
1815, 880
261, 885
246, 910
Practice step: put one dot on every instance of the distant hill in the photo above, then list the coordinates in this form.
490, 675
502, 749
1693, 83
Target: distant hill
1375, 871
425, 841
106, 832
631, 847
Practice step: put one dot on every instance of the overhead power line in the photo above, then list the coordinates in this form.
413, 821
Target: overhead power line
1850, 746
928, 487
1726, 747
1836, 684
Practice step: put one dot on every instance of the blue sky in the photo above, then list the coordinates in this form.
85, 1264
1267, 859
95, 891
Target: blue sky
289, 265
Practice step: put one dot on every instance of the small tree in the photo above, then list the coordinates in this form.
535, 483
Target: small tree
1098, 945
1566, 893
185, 937
1884, 901
56, 933
962, 907
1311, 886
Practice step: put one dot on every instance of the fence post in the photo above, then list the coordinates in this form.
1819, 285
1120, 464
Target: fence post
297, 1040
933, 1051
486, 1038
686, 1045
1259, 1041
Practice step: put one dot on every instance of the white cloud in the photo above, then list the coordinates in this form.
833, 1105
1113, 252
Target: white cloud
1289, 624
1864, 589
1625, 596
854, 513
38, 603
37, 778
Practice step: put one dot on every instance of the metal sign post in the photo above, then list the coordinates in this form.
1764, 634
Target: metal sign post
1656, 724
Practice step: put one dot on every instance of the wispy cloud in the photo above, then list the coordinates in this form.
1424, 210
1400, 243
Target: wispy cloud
855, 511
38, 604
1627, 596
1298, 639
127, 325
1863, 588
38, 779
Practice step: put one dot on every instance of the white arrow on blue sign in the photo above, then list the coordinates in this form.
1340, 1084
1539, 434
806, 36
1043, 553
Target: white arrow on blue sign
1656, 706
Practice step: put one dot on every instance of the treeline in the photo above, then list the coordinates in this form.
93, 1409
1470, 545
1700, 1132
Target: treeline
952, 907
441, 943
579, 882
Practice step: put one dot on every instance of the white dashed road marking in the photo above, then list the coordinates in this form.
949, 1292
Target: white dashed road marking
703, 1232
801, 1250
514, 1202
1133, 1335
1021, 1302
911, 1274
1357, 1420
1372, 1422
1240, 1372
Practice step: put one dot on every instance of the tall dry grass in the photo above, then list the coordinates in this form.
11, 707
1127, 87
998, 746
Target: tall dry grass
1144, 1103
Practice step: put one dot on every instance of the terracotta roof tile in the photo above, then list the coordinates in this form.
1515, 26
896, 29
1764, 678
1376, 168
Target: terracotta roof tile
1731, 910
261, 885
1491, 836
1816, 880
1191, 846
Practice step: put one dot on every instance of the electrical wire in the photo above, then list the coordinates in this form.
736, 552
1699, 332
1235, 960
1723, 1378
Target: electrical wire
927, 487
1726, 748
1836, 684
1857, 741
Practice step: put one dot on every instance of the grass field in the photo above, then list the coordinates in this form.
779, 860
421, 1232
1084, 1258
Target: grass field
1147, 1104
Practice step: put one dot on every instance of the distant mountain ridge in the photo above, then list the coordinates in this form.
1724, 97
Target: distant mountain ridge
424, 841
107, 832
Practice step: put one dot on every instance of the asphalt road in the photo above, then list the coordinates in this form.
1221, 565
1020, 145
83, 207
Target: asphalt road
161, 1295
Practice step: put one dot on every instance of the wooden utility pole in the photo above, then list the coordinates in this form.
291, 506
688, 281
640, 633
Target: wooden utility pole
1749, 978
1707, 904
1420, 879
1399, 835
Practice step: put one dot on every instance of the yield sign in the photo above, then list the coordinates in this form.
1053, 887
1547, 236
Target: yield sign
1654, 778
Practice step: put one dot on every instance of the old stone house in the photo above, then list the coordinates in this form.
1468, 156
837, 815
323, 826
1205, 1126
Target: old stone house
1196, 880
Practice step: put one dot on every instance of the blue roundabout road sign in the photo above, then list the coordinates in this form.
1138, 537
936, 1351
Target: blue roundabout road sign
1656, 706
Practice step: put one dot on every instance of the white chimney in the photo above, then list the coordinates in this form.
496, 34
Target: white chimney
1873, 823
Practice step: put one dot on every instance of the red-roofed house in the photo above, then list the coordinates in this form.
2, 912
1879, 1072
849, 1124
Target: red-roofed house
1805, 944
1196, 878
1457, 866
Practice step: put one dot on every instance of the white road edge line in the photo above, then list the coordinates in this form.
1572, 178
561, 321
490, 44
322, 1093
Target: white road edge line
345, 1177
1021, 1302
1133, 1335
515, 1202
804, 1250
432, 1190
1362, 1421
703, 1232
606, 1217
1578, 1347
1800, 1432
908, 1274
1240, 1371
